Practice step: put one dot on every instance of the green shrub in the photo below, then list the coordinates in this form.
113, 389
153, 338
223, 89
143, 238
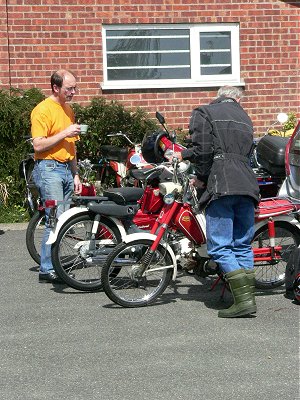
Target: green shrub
103, 117
15, 108
12, 214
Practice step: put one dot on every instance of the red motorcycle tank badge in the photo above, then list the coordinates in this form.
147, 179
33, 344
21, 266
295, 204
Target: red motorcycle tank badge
188, 224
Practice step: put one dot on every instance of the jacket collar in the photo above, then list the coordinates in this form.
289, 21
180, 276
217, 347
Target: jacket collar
223, 99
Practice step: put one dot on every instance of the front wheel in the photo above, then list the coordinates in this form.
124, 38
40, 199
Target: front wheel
132, 276
272, 274
78, 259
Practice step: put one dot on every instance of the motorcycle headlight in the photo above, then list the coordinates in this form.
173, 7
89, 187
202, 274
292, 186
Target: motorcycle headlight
169, 198
169, 188
183, 166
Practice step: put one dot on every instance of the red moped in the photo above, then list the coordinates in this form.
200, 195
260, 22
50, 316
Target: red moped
138, 270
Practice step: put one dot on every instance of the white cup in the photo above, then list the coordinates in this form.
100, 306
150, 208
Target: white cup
83, 129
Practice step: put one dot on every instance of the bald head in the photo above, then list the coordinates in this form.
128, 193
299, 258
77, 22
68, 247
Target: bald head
58, 77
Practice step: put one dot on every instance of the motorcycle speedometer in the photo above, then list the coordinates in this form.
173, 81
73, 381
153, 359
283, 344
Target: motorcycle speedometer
169, 198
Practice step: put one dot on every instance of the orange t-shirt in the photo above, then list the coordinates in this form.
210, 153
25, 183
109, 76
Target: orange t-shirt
47, 119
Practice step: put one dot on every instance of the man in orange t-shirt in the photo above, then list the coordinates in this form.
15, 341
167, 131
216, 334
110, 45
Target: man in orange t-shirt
54, 134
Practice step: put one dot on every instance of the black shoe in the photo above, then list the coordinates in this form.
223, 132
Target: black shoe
51, 277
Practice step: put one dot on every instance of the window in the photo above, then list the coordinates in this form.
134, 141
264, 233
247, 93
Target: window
145, 56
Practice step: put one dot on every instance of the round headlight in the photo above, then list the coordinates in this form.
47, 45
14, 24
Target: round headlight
183, 166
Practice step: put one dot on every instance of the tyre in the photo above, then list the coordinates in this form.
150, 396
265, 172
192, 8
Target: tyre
32, 193
34, 235
73, 260
270, 275
123, 281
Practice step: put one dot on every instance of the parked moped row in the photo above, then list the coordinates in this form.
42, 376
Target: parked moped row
85, 235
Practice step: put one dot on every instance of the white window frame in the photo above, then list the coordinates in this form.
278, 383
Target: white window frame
196, 80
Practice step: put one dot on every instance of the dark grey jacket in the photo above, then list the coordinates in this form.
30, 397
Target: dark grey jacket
222, 139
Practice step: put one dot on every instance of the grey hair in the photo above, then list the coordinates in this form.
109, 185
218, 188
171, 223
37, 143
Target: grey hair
230, 91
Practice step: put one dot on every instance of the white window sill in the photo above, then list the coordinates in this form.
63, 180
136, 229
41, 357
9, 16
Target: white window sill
168, 85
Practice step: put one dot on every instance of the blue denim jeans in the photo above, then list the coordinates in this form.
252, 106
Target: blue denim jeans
230, 230
55, 182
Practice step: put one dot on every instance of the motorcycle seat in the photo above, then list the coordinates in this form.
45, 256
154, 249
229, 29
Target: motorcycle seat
125, 195
114, 153
112, 209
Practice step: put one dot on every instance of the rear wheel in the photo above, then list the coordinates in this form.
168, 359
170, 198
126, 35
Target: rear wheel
76, 258
270, 275
34, 235
131, 277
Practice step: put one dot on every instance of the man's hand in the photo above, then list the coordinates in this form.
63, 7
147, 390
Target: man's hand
197, 183
77, 185
177, 155
72, 130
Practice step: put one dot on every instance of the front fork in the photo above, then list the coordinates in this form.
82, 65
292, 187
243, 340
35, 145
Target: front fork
159, 228
92, 245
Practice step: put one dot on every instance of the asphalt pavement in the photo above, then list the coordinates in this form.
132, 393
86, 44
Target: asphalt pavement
58, 343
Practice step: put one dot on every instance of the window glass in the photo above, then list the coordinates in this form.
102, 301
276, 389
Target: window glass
148, 54
215, 53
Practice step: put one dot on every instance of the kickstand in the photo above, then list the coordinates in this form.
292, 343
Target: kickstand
219, 278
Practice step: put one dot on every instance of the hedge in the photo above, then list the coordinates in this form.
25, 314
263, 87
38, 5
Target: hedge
103, 117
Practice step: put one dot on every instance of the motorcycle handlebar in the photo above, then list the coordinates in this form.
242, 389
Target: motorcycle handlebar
118, 134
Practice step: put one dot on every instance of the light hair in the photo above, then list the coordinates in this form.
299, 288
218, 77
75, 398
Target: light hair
230, 91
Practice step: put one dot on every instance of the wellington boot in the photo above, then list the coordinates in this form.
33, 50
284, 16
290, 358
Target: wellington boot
244, 300
251, 279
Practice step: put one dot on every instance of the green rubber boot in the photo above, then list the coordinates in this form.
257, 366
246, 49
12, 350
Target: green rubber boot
244, 300
251, 279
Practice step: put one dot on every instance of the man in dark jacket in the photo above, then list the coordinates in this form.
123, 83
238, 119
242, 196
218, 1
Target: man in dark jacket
222, 139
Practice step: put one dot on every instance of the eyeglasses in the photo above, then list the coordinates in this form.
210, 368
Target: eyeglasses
71, 89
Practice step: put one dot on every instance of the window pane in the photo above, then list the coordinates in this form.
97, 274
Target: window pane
219, 70
215, 53
149, 73
151, 48
147, 44
147, 59
146, 32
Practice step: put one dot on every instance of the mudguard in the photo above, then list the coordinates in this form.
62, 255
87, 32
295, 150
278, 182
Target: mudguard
150, 236
285, 218
64, 217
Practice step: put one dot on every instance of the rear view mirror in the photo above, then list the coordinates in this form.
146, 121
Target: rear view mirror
282, 118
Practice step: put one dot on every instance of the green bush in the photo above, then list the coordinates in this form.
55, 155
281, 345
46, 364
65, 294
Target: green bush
102, 116
15, 108
105, 117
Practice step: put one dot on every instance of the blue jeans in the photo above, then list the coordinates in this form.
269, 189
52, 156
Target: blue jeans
54, 181
230, 230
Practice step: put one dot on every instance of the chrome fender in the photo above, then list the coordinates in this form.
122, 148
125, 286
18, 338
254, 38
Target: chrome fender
150, 236
64, 217
284, 218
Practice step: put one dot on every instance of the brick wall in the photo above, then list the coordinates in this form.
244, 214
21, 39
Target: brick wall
59, 34
4, 59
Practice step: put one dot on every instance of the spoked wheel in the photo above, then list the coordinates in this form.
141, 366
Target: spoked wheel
269, 275
34, 235
78, 260
32, 197
132, 278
